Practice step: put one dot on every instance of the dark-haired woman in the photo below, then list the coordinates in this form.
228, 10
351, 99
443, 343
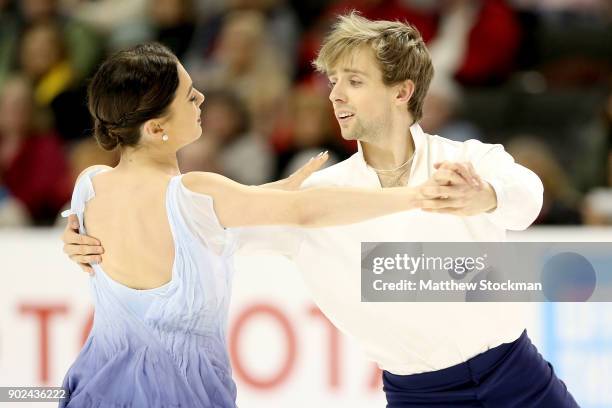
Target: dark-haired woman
161, 297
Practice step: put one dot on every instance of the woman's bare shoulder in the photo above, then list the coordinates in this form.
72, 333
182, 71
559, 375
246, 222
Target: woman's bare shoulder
91, 168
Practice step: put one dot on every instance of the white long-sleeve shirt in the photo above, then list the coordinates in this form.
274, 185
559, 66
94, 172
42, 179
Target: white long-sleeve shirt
409, 338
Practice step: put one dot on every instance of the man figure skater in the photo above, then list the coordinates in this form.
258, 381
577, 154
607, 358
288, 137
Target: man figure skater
431, 354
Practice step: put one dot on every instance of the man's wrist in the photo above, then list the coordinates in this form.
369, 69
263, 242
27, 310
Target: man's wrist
491, 197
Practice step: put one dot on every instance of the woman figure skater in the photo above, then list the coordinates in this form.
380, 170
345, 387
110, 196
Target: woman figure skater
161, 299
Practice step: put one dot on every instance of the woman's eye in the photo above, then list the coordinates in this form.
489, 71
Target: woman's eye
331, 84
355, 83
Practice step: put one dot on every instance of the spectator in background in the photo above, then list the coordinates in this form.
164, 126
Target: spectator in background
598, 203
33, 168
170, 22
244, 63
562, 201
84, 46
475, 41
8, 30
608, 134
173, 23
440, 111
594, 161
12, 212
44, 59
491, 40
568, 41
281, 29
109, 17
597, 209
227, 143
590, 6
281, 25
308, 132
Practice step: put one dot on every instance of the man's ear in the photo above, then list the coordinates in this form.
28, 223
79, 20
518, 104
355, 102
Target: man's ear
405, 91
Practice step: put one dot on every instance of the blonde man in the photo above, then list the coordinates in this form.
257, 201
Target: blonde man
431, 354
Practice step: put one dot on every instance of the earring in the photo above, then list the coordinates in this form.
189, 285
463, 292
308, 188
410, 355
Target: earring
165, 137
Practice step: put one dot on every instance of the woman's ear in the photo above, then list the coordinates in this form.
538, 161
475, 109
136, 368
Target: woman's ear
405, 91
152, 129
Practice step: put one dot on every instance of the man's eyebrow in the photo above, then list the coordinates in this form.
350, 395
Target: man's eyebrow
355, 71
350, 71
190, 88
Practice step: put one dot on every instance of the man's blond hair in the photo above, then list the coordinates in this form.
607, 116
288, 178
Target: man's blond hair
398, 48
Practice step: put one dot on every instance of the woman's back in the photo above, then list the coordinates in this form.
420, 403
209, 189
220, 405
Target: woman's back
128, 214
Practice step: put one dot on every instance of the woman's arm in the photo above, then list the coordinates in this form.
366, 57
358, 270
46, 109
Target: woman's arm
237, 205
85, 250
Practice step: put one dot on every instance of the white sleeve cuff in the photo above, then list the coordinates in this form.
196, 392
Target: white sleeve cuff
498, 215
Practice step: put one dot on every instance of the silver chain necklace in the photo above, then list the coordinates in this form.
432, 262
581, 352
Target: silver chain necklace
395, 169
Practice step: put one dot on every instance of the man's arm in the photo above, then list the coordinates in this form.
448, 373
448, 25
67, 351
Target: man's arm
519, 191
509, 194
82, 249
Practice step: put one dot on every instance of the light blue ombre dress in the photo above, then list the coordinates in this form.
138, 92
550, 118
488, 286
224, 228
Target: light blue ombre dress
164, 347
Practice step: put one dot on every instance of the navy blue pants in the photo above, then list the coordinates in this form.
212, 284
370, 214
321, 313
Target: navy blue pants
509, 375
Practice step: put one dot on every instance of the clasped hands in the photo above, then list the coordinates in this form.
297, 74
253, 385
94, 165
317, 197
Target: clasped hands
455, 188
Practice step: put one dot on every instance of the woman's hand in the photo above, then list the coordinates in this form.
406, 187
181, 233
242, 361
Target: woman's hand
294, 181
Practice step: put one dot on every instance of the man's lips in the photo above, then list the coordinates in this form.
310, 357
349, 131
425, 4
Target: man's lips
344, 115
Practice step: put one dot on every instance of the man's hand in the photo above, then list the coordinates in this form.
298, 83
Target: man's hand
456, 188
81, 249
295, 180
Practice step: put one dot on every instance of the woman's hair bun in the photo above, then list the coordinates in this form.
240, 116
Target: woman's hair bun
105, 136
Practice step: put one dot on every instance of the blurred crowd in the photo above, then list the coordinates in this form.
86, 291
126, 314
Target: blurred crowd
535, 75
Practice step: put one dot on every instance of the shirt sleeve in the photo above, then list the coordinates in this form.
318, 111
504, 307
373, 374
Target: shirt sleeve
519, 190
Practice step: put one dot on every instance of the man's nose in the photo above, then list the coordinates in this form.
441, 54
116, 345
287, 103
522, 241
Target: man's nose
337, 94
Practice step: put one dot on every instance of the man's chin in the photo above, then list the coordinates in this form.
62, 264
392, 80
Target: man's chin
348, 135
